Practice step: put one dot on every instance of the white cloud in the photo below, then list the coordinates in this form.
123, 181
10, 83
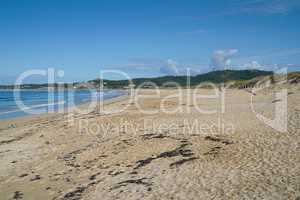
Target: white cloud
221, 59
253, 65
169, 68
197, 32
164, 67
269, 6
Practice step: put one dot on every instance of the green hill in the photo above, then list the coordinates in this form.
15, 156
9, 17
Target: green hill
213, 77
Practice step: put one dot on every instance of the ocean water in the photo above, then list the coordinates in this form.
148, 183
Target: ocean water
30, 102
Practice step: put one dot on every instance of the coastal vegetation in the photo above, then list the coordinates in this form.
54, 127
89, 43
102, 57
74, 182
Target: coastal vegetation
239, 78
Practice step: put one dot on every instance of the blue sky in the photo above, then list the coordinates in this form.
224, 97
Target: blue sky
147, 38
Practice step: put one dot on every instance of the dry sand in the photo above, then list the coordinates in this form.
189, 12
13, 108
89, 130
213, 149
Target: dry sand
134, 155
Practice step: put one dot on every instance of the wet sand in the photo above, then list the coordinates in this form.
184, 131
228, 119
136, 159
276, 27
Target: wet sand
159, 155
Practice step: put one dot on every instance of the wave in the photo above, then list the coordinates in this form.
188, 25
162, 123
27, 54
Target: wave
33, 107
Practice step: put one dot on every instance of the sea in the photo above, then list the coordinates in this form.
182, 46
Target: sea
19, 103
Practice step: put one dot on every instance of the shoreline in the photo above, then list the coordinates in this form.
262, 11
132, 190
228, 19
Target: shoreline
21, 115
33, 117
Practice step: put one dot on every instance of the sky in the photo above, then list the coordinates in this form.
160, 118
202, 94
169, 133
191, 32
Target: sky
146, 38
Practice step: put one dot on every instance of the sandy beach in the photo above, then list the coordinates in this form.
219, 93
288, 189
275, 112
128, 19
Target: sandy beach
156, 148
